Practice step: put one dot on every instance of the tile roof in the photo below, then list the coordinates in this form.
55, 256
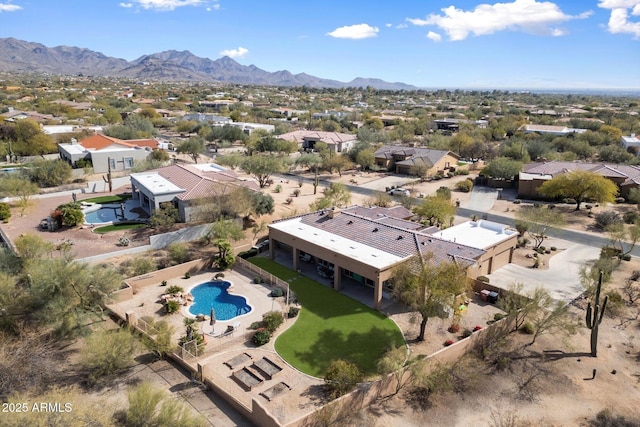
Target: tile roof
418, 155
198, 185
329, 137
100, 141
630, 173
389, 238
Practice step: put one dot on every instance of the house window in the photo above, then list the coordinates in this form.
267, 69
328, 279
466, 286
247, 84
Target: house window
128, 162
112, 163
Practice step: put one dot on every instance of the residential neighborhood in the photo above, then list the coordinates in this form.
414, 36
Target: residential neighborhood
369, 232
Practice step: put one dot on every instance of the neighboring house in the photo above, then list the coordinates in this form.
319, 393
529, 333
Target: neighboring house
452, 125
533, 175
208, 118
106, 152
415, 160
548, 129
307, 139
14, 115
631, 141
248, 128
328, 114
361, 247
187, 187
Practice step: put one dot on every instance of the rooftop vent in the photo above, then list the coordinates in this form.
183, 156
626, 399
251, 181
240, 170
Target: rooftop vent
375, 230
349, 222
399, 238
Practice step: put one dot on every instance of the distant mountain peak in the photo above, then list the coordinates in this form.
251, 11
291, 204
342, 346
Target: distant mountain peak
22, 56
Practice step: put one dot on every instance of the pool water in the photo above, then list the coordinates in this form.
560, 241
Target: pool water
112, 213
215, 294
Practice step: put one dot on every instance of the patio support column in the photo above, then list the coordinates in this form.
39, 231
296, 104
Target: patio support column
377, 295
294, 260
337, 278
272, 249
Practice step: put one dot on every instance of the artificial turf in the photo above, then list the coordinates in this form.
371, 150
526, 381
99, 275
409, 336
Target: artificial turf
331, 326
115, 198
117, 227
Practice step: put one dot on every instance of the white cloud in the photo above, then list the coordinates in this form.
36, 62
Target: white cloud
434, 36
619, 22
214, 7
165, 5
126, 5
529, 16
401, 26
358, 31
235, 53
388, 25
4, 7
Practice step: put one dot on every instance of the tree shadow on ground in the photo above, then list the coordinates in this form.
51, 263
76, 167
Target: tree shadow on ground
358, 348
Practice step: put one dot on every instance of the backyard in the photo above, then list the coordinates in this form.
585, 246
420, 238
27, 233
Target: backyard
331, 326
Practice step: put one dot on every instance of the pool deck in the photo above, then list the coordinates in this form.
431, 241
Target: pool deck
146, 302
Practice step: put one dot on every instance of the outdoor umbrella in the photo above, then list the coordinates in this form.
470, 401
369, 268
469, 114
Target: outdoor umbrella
212, 320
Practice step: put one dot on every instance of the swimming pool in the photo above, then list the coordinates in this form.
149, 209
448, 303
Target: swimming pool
109, 213
215, 295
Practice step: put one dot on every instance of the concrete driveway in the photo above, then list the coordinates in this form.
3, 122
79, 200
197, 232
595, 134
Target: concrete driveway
481, 199
561, 279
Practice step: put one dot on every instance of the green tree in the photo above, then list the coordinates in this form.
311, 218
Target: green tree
225, 257
165, 217
336, 194
537, 220
436, 210
31, 247
48, 173
366, 158
502, 168
225, 230
20, 188
396, 362
262, 167
313, 162
71, 214
553, 317
230, 160
342, 377
429, 287
580, 185
262, 204
193, 147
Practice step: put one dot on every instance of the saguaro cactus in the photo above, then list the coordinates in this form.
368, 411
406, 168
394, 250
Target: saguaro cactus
594, 317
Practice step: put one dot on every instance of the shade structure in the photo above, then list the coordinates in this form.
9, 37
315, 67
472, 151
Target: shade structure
212, 318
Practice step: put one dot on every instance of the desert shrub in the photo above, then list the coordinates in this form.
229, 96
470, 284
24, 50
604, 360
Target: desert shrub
517, 201
635, 275
278, 189
218, 276
606, 219
261, 337
447, 343
257, 280
296, 192
187, 275
615, 305
272, 320
467, 333
484, 279
342, 377
528, 328
626, 257
108, 353
443, 192
178, 252
5, 212
464, 186
153, 407
553, 248
255, 325
248, 254
293, 312
630, 217
171, 307
173, 289
142, 265
606, 418
498, 316
276, 293
454, 328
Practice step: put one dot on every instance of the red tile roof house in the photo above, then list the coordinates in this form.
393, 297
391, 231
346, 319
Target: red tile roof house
359, 247
533, 175
190, 188
102, 150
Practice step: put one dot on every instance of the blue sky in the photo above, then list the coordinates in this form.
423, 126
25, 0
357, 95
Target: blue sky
434, 44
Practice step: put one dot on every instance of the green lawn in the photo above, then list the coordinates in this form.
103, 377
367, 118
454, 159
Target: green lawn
117, 227
116, 198
331, 326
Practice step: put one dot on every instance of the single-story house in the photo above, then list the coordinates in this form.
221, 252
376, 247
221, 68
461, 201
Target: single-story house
187, 187
533, 175
307, 139
452, 125
364, 247
549, 129
106, 152
631, 141
415, 160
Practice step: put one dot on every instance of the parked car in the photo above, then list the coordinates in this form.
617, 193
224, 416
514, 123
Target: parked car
399, 192
261, 246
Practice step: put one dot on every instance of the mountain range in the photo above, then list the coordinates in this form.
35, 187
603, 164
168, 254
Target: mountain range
171, 65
